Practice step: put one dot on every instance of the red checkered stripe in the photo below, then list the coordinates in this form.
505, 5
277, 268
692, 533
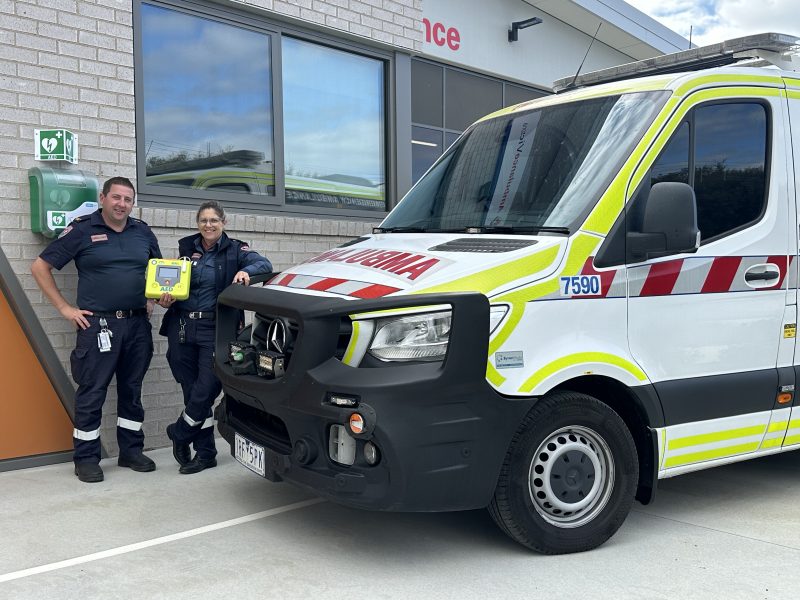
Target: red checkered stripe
695, 275
334, 285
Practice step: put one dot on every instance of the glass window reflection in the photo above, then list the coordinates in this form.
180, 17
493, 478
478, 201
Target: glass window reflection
334, 149
207, 104
426, 147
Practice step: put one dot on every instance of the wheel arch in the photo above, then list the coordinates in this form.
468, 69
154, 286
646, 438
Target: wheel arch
640, 409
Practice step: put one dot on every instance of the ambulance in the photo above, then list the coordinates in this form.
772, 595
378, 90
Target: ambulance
587, 293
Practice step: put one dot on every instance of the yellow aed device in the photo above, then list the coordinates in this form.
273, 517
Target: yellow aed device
171, 276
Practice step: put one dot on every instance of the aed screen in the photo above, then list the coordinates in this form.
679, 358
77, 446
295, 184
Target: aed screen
168, 272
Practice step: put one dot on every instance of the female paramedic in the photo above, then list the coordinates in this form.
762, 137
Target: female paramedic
217, 261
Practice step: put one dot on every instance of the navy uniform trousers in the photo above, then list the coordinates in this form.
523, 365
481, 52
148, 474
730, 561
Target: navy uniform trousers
192, 364
128, 359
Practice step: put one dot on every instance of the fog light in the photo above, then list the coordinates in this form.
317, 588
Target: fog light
270, 364
371, 454
341, 447
341, 400
356, 423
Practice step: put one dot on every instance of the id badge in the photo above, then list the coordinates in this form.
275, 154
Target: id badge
104, 340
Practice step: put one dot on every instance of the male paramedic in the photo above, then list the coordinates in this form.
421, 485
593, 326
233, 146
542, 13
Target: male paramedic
110, 250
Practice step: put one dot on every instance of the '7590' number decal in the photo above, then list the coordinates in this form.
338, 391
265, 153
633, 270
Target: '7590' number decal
581, 285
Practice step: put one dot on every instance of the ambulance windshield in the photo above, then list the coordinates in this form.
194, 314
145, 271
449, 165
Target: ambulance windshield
540, 170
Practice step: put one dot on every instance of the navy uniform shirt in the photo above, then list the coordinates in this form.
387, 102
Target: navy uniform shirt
203, 289
111, 265
205, 264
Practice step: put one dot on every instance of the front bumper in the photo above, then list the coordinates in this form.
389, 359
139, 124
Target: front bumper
442, 431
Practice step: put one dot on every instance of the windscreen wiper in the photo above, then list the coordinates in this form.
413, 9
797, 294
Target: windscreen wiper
417, 230
518, 229
399, 230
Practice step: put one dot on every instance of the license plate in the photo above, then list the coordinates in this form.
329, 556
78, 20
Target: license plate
250, 454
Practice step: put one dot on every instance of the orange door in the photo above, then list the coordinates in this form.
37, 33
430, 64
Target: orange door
32, 418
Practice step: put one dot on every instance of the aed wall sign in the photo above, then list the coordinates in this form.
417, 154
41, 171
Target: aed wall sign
56, 144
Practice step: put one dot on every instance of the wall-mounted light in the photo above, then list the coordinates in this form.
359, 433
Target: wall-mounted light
513, 34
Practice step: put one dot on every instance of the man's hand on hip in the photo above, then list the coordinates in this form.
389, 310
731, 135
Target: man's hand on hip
76, 315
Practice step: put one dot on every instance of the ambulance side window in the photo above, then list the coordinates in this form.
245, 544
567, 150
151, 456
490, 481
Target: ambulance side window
729, 166
673, 163
721, 151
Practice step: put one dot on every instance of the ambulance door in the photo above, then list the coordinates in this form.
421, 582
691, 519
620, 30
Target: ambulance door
792, 437
707, 327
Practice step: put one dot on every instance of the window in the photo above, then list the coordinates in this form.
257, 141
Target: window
333, 111
726, 164
235, 108
541, 168
207, 102
445, 101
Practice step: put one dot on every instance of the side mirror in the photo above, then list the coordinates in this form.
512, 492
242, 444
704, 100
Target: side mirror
669, 223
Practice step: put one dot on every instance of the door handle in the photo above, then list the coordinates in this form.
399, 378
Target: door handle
763, 276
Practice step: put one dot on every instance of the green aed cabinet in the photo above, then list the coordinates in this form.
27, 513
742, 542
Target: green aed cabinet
58, 196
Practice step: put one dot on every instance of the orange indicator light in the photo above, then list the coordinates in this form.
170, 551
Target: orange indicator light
356, 423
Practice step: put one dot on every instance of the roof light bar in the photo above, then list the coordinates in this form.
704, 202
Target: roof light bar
770, 48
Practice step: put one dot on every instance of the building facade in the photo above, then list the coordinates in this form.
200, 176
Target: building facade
307, 119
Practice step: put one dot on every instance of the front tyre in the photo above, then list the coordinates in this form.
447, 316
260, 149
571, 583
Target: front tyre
569, 476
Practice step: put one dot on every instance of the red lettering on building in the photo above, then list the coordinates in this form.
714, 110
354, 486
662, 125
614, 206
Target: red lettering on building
440, 35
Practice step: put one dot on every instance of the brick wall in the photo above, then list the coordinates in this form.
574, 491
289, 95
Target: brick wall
395, 22
69, 63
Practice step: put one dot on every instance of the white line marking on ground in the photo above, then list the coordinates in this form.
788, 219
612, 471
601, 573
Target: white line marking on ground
63, 564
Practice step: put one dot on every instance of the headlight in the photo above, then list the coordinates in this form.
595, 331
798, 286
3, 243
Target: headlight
417, 337
422, 337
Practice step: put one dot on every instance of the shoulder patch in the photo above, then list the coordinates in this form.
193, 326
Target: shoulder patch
244, 248
66, 231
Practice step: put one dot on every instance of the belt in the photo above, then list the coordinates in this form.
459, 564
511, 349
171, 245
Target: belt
198, 314
121, 314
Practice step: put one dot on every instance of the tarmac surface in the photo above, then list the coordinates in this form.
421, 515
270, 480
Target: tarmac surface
729, 532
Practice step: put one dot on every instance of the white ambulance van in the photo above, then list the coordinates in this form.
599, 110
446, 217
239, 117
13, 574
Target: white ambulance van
587, 293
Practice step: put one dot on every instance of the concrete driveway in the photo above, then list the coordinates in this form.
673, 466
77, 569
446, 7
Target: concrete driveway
731, 532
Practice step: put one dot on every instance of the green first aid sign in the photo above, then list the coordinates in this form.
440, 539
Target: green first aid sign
56, 144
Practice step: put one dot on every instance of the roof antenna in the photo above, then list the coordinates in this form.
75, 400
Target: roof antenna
690, 36
574, 79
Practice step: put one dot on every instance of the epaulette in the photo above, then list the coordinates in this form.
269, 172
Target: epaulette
137, 220
243, 246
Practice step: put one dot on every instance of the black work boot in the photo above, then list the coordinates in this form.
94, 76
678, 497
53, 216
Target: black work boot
137, 462
197, 464
181, 452
89, 472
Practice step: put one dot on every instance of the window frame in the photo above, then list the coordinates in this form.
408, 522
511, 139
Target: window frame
156, 196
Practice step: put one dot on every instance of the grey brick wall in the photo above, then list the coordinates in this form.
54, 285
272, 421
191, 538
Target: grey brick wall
395, 22
69, 63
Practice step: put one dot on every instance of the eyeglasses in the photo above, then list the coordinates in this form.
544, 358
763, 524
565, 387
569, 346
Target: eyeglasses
213, 221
